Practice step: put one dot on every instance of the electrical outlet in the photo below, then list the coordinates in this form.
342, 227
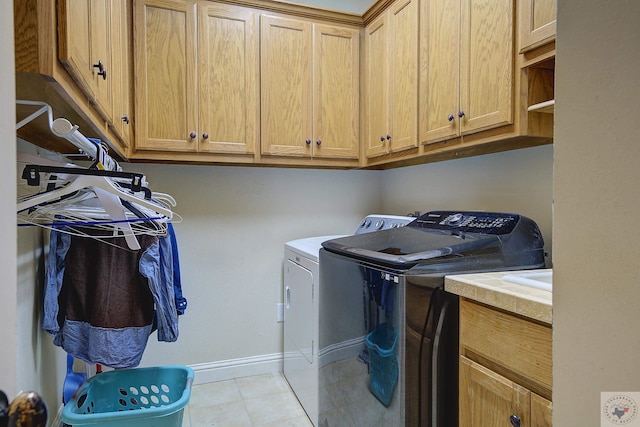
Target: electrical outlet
280, 312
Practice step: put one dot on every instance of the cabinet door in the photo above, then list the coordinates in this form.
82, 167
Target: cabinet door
285, 56
165, 77
537, 23
403, 75
336, 89
541, 411
84, 49
488, 399
74, 43
377, 86
121, 66
440, 90
486, 65
100, 36
228, 78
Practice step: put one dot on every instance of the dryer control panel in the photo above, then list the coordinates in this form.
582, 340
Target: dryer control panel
376, 222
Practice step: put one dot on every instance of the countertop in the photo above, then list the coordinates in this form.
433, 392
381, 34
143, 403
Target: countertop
489, 289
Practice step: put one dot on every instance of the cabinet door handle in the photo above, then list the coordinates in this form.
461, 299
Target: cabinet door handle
450, 117
515, 420
388, 137
192, 135
101, 70
318, 142
308, 141
125, 119
382, 138
461, 113
205, 136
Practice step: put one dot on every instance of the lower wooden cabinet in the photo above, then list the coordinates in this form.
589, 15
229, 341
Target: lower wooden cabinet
489, 399
505, 369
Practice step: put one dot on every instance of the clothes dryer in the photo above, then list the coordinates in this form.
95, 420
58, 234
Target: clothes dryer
301, 310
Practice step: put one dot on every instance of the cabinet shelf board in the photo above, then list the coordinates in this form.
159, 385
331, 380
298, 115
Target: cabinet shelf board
543, 107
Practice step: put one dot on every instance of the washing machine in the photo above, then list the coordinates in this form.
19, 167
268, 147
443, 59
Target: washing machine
301, 310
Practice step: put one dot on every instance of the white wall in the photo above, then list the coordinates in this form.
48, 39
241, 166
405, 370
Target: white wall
235, 223
518, 181
8, 332
237, 219
596, 221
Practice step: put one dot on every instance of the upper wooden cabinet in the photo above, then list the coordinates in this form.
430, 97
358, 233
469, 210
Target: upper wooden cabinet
467, 86
122, 123
228, 83
65, 53
537, 23
85, 49
392, 79
196, 77
309, 89
165, 75
94, 46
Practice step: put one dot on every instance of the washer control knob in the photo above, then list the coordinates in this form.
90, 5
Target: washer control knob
379, 224
455, 219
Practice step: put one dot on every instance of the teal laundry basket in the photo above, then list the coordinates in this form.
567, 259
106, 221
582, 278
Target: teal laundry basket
139, 397
383, 365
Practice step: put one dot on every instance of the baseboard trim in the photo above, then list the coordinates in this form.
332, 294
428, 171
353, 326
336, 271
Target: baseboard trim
237, 368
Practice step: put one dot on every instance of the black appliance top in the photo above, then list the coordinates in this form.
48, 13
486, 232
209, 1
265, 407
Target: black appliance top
514, 239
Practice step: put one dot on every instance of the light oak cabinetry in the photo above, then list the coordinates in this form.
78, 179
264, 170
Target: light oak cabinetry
309, 89
276, 83
505, 368
537, 23
85, 49
122, 123
468, 59
57, 44
196, 78
392, 80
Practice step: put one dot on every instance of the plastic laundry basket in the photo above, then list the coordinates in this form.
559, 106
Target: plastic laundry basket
383, 365
140, 397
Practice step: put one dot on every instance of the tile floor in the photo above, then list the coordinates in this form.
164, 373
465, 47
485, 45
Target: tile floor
262, 400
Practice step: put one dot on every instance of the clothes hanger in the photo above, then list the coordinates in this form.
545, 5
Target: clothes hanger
111, 204
87, 182
74, 212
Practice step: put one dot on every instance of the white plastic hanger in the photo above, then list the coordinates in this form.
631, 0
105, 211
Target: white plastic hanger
111, 204
92, 181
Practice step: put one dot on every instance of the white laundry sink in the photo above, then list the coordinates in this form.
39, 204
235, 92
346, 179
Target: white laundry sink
542, 279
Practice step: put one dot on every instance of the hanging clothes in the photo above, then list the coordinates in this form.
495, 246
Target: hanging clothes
181, 301
100, 300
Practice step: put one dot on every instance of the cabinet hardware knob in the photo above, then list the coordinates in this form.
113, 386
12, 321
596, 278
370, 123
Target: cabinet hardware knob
515, 420
450, 117
192, 135
318, 142
125, 119
382, 138
205, 136
461, 113
388, 137
308, 141
101, 70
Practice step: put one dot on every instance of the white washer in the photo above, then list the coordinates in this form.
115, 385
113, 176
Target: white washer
301, 311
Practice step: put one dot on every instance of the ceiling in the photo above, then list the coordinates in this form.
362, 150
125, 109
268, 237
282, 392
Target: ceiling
351, 6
